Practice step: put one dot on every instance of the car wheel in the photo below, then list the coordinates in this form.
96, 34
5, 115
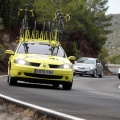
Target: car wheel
56, 85
119, 76
80, 75
95, 74
67, 86
12, 81
101, 75
73, 74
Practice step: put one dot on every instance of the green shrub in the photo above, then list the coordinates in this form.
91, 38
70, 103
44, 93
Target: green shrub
103, 55
115, 59
2, 52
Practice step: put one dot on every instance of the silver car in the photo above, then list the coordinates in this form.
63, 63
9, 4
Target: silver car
88, 66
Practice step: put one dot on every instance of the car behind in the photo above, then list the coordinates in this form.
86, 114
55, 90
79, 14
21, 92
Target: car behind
88, 66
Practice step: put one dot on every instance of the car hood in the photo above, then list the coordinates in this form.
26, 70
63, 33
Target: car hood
42, 58
83, 65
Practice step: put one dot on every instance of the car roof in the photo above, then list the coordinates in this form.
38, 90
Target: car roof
89, 58
51, 43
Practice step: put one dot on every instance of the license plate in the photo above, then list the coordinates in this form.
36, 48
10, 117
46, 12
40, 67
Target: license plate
45, 72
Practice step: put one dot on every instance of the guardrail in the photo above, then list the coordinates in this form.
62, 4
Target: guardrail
113, 65
113, 68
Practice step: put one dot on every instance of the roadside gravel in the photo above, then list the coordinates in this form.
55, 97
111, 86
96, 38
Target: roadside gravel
10, 110
6, 114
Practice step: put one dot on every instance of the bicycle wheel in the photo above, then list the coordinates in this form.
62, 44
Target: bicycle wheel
23, 27
61, 27
35, 29
60, 37
48, 30
26, 23
48, 26
60, 31
53, 32
44, 26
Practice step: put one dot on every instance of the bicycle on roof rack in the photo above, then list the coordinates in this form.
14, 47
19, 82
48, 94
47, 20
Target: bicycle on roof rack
25, 25
46, 30
55, 30
57, 26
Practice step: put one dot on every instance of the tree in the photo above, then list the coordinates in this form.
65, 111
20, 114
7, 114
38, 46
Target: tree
5, 12
103, 55
2, 52
99, 22
1, 24
88, 18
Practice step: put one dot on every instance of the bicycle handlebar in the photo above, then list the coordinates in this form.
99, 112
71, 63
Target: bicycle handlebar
26, 10
62, 15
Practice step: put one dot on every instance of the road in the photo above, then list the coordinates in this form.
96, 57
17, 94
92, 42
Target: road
90, 98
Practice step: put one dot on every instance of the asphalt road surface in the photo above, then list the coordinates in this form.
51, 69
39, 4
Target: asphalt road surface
90, 98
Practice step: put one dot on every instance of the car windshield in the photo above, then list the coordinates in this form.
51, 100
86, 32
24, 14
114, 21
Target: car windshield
86, 61
40, 48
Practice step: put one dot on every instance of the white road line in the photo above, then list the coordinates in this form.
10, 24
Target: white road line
119, 87
98, 93
40, 108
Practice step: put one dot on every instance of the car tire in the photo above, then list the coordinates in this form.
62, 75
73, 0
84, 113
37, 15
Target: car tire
118, 75
101, 75
80, 75
67, 86
12, 81
73, 74
95, 74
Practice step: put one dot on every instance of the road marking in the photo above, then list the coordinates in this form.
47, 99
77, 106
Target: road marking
40, 108
119, 87
98, 93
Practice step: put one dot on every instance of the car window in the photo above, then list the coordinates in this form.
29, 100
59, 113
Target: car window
97, 61
86, 61
42, 49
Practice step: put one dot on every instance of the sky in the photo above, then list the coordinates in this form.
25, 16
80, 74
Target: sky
114, 7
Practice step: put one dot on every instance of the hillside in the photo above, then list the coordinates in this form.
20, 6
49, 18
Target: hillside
112, 43
113, 39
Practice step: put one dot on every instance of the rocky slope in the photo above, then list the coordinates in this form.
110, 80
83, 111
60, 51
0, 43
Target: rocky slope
113, 39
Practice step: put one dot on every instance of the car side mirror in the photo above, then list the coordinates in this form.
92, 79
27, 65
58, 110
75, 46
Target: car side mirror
9, 52
72, 58
98, 64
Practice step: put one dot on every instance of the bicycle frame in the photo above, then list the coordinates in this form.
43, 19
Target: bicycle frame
59, 24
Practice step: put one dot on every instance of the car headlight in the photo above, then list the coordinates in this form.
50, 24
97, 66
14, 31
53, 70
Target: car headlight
21, 62
90, 68
66, 66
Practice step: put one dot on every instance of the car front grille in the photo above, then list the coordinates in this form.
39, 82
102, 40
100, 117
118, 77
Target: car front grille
81, 68
35, 64
53, 66
43, 76
38, 64
81, 71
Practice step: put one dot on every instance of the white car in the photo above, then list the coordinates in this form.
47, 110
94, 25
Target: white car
88, 66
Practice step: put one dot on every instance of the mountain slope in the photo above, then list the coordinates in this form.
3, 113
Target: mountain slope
113, 40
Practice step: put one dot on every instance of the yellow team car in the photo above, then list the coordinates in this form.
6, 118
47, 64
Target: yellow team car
40, 61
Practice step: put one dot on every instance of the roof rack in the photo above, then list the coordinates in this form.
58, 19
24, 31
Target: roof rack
52, 35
